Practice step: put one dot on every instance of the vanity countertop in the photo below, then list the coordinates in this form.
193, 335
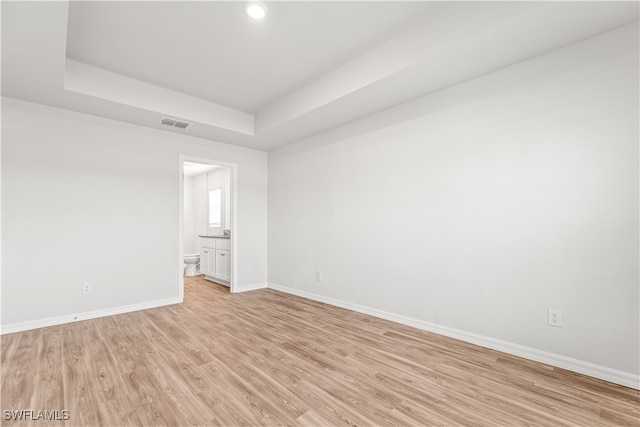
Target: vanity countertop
217, 237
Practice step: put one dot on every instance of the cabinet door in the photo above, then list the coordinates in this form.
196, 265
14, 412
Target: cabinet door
227, 266
203, 261
223, 264
208, 261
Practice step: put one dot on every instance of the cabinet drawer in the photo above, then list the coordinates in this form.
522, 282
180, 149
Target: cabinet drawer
208, 243
223, 244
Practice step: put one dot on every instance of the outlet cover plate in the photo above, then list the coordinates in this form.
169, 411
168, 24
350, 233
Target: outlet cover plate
554, 317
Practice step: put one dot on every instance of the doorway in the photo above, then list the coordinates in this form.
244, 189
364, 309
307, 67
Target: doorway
208, 223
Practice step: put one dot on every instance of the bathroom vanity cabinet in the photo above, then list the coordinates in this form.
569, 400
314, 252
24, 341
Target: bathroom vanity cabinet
215, 259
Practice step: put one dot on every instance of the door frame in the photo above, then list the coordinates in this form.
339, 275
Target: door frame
234, 218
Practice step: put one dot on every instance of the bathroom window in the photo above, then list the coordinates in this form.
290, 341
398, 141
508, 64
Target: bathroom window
215, 207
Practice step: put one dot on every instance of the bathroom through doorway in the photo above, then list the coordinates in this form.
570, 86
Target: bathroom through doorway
207, 221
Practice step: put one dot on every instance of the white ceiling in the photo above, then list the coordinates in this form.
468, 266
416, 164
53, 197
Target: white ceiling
211, 50
310, 67
195, 169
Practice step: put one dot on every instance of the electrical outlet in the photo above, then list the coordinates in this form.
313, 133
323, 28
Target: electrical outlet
250, 268
319, 276
86, 288
555, 317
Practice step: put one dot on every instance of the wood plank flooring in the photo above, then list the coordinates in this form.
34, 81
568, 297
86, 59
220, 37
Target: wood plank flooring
268, 358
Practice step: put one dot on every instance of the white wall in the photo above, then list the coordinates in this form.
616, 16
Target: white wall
86, 199
478, 207
219, 178
189, 218
201, 208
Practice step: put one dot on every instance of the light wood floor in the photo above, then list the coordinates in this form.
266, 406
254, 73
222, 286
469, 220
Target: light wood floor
267, 358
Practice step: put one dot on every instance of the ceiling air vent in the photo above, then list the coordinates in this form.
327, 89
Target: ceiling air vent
175, 123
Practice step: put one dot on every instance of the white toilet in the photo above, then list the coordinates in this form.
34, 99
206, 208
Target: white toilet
192, 261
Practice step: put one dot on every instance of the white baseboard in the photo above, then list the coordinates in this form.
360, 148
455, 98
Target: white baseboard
252, 287
60, 320
586, 368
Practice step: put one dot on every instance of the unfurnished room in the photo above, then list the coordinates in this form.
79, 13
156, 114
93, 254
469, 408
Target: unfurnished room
320, 213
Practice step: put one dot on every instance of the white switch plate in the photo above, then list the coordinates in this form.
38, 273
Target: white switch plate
319, 276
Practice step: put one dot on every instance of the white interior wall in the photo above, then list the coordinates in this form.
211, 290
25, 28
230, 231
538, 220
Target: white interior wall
219, 178
201, 208
86, 199
189, 222
476, 208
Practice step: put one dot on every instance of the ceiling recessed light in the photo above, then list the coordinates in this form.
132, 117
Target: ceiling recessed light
255, 9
